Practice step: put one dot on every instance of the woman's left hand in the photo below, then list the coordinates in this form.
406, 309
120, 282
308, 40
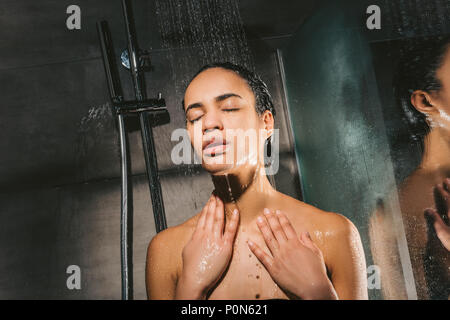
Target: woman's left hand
296, 263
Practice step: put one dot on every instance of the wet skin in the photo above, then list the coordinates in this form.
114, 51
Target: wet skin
219, 255
427, 187
427, 235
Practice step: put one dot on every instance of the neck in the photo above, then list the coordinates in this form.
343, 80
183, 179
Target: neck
436, 156
248, 190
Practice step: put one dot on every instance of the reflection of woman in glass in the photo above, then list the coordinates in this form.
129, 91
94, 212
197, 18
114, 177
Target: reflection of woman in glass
422, 87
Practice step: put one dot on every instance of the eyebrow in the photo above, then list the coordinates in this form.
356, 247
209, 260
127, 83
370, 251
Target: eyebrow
217, 99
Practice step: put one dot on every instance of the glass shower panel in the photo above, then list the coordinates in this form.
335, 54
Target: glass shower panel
340, 138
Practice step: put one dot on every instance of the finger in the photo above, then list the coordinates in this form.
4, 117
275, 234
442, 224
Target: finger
202, 219
219, 217
442, 189
262, 256
308, 242
210, 214
275, 226
231, 227
286, 225
447, 184
447, 188
267, 234
443, 192
439, 225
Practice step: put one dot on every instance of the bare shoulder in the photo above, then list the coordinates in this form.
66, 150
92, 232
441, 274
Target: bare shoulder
339, 241
164, 260
319, 223
173, 239
334, 234
165, 249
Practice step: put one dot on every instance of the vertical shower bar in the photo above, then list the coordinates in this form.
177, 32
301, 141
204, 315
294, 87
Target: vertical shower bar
126, 217
146, 130
126, 224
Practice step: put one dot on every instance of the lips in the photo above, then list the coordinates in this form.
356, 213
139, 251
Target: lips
214, 146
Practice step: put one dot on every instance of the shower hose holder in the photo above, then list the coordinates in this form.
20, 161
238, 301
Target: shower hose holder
151, 113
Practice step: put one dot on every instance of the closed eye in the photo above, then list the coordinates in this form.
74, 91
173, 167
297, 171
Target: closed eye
194, 120
227, 110
232, 109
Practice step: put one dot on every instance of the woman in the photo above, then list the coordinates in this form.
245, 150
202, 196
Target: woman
422, 87
249, 241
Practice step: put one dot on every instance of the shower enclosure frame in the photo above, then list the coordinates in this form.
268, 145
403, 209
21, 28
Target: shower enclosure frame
148, 111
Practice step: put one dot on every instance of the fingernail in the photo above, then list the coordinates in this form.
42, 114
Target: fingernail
278, 212
260, 219
235, 212
266, 211
250, 242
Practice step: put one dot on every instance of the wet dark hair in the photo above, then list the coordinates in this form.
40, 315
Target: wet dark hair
263, 99
419, 61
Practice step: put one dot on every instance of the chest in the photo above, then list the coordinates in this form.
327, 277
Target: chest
246, 277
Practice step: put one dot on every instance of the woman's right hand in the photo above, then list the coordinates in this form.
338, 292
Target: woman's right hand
440, 226
208, 252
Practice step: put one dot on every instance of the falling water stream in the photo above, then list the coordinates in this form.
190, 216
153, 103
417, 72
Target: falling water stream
433, 18
197, 32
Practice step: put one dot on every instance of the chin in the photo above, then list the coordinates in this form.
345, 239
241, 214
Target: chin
218, 165
217, 169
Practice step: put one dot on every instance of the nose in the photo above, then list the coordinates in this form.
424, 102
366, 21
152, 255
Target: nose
212, 121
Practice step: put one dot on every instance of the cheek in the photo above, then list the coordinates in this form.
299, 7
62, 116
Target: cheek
197, 137
245, 121
447, 101
194, 137
444, 93
444, 109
